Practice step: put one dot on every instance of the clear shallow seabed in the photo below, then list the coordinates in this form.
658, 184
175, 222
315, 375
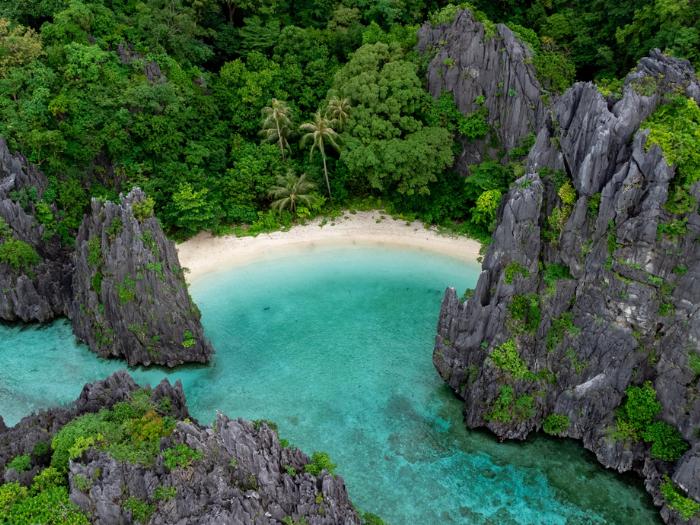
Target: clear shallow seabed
335, 345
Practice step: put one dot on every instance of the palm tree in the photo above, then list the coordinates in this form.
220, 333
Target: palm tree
338, 111
291, 190
277, 124
320, 132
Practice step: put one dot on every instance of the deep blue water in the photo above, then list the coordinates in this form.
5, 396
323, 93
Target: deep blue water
335, 346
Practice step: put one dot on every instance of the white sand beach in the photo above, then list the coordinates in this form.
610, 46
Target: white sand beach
205, 253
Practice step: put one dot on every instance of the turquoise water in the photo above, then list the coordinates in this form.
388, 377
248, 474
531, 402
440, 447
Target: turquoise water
335, 346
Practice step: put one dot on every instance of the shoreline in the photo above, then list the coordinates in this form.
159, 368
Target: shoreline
204, 253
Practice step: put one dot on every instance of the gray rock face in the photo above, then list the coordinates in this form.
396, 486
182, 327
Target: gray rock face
122, 286
129, 294
469, 64
38, 293
40, 428
244, 475
628, 312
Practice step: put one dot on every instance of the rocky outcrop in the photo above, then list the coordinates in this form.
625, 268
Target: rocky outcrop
470, 63
589, 286
33, 291
239, 471
130, 298
122, 285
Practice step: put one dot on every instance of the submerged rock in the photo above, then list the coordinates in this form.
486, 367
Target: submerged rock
232, 472
590, 286
130, 298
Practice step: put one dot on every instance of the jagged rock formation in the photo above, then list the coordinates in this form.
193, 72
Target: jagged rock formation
578, 300
129, 293
122, 286
242, 474
37, 292
469, 63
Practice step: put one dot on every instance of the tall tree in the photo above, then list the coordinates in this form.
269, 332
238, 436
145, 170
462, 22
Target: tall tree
318, 134
338, 111
291, 190
277, 124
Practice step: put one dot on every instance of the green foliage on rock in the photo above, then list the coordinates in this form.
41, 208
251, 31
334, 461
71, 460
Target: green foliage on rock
130, 431
320, 461
507, 358
683, 505
514, 269
556, 424
141, 511
20, 463
636, 420
675, 128
525, 313
180, 456
19, 255
508, 407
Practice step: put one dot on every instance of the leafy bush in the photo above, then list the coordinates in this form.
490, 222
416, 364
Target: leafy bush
180, 456
686, 507
372, 519
508, 407
10, 493
514, 269
507, 358
19, 255
143, 209
675, 128
48, 478
524, 310
667, 443
49, 507
636, 420
164, 493
188, 340
20, 463
126, 290
561, 326
556, 424
320, 461
130, 431
140, 510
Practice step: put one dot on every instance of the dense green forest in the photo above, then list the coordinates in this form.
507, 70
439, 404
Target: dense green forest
256, 113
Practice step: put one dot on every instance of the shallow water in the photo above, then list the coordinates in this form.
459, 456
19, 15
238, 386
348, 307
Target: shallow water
335, 346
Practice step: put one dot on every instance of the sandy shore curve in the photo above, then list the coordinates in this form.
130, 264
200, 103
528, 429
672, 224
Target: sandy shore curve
205, 254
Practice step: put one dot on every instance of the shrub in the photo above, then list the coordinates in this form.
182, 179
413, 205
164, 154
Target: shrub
47, 478
372, 519
164, 493
320, 461
144, 209
49, 507
636, 420
561, 326
507, 358
130, 431
694, 363
675, 127
686, 507
180, 456
507, 407
188, 340
18, 254
553, 273
10, 493
594, 205
95, 251
525, 312
140, 510
513, 270
126, 290
556, 424
667, 442
81, 483
20, 463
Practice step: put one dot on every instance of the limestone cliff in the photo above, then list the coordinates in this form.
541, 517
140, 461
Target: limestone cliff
129, 294
35, 278
589, 287
232, 472
473, 64
121, 285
